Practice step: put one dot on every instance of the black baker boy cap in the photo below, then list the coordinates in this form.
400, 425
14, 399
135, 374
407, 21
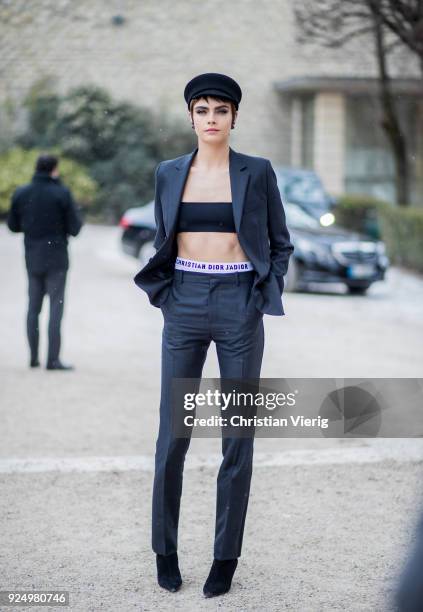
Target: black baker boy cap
214, 84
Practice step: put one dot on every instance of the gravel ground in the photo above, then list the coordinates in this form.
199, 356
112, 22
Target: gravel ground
329, 520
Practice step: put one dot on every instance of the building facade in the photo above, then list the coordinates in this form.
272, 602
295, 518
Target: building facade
303, 105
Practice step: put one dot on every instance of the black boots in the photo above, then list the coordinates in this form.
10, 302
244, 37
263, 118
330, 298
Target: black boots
168, 574
220, 577
218, 582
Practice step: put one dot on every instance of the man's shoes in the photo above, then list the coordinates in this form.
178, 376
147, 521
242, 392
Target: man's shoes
220, 577
58, 365
34, 363
168, 574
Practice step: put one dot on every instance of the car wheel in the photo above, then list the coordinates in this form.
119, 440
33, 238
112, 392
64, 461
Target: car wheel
291, 277
360, 290
146, 252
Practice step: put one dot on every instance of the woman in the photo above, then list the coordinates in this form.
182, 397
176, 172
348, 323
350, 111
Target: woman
222, 251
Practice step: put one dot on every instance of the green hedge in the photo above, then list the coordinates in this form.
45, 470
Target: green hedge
119, 143
360, 213
402, 232
17, 168
400, 228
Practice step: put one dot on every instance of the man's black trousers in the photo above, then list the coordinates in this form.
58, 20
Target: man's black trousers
52, 283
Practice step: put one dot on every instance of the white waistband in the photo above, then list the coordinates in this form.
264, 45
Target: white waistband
212, 267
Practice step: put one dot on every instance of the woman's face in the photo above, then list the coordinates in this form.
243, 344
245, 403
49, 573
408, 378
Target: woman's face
212, 115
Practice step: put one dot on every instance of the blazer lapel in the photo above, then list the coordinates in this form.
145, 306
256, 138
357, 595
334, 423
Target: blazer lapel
239, 176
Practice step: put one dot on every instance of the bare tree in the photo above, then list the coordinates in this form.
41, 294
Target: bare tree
405, 20
333, 23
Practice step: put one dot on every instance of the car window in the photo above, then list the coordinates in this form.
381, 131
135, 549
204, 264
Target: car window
305, 188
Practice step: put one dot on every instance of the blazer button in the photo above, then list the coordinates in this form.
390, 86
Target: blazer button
220, 223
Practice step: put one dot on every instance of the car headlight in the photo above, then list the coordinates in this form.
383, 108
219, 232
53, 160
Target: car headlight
327, 219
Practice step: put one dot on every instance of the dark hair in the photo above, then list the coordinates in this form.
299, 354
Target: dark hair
46, 163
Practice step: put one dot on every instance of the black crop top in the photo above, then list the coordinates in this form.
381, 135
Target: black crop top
206, 217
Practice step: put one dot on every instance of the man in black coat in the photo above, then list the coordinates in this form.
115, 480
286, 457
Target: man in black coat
45, 212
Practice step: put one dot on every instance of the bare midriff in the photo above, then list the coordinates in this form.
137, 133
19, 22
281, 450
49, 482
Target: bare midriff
209, 246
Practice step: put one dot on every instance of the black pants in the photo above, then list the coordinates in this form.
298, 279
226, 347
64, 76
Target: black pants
53, 283
202, 308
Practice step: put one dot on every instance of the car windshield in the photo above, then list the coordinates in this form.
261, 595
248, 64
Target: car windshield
297, 217
305, 188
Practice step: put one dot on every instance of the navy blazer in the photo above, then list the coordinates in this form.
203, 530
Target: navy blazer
259, 220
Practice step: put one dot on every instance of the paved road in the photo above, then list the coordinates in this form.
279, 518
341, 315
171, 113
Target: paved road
329, 519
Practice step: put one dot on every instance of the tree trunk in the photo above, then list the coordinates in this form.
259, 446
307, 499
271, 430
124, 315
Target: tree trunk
390, 122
